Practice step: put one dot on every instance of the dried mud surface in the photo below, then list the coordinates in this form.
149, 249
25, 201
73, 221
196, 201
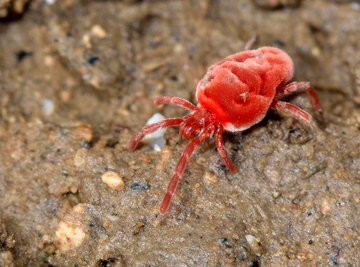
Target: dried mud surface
77, 79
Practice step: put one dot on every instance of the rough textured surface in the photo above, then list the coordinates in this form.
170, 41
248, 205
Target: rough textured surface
7, 244
77, 82
12, 8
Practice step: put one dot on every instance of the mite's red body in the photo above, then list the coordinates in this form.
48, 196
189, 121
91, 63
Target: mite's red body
234, 94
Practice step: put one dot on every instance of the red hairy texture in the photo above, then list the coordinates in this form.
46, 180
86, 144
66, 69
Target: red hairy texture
234, 94
240, 88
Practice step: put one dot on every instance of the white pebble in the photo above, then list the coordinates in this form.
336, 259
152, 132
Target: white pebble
98, 31
254, 243
68, 236
48, 106
355, 6
156, 139
71, 230
250, 238
113, 180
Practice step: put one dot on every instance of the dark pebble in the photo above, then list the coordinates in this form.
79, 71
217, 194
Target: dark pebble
140, 186
93, 60
22, 54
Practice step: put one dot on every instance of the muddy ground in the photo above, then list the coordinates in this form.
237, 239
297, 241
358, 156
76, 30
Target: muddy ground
77, 79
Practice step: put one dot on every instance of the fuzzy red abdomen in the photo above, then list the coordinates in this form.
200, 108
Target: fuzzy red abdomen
240, 89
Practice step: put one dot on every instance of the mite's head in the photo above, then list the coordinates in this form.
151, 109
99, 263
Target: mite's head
196, 122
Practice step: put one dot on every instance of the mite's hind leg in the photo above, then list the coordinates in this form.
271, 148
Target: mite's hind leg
300, 87
292, 110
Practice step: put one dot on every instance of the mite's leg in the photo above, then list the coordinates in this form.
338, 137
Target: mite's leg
135, 140
179, 171
175, 101
221, 149
251, 41
300, 87
291, 109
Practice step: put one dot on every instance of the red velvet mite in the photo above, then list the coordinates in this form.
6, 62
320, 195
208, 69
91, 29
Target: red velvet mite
235, 94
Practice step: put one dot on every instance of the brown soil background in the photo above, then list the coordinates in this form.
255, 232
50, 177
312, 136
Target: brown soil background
77, 79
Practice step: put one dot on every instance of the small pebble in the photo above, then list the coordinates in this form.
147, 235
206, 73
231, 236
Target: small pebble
255, 244
80, 157
22, 54
275, 194
210, 178
92, 60
98, 31
48, 107
325, 207
68, 236
83, 132
70, 232
140, 186
156, 139
113, 180
65, 95
49, 61
16, 147
355, 6
86, 41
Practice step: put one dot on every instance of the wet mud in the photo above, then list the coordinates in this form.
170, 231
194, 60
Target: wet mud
77, 79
